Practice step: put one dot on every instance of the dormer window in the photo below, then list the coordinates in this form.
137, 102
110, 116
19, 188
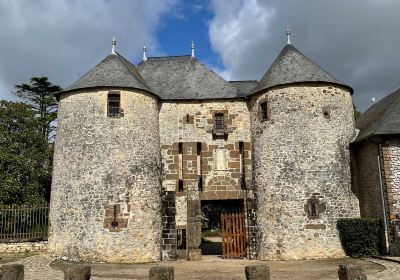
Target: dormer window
114, 105
264, 111
219, 121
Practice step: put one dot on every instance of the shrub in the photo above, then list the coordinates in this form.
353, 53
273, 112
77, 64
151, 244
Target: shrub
360, 236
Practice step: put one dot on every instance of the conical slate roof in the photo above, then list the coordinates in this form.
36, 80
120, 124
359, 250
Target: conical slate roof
184, 77
113, 71
382, 118
291, 66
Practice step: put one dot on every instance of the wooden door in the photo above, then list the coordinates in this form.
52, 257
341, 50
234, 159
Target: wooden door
233, 235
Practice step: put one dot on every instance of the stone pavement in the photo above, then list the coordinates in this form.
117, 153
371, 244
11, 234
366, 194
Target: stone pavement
391, 272
38, 268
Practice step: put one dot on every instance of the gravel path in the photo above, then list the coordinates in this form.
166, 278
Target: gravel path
38, 268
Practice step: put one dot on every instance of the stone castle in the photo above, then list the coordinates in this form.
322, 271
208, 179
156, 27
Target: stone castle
142, 151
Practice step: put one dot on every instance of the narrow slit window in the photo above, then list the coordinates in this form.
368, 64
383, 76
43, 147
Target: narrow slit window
264, 111
114, 105
219, 121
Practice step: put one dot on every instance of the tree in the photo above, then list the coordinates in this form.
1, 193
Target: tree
357, 113
25, 156
40, 94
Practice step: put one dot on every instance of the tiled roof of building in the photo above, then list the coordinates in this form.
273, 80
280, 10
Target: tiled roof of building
291, 66
382, 118
184, 77
113, 71
244, 87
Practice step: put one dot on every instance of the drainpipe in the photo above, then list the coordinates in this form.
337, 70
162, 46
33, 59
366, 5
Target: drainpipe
379, 158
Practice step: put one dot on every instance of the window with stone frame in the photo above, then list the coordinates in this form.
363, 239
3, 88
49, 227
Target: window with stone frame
114, 104
219, 120
264, 111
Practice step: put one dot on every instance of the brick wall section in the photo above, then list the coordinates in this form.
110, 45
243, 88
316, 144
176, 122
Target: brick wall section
100, 162
168, 237
391, 170
302, 151
192, 122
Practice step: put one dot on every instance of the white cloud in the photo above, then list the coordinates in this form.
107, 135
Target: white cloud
63, 39
356, 43
238, 28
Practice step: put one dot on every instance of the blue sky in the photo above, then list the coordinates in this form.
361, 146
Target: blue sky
190, 23
239, 39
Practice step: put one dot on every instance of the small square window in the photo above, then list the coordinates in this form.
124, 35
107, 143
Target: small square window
219, 121
264, 111
114, 105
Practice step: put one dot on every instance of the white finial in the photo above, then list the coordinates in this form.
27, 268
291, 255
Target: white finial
144, 53
114, 42
288, 34
373, 100
193, 49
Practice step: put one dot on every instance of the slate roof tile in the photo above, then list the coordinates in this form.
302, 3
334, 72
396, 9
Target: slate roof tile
113, 71
184, 77
382, 118
291, 66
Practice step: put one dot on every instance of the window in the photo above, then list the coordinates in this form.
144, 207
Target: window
219, 121
114, 105
264, 111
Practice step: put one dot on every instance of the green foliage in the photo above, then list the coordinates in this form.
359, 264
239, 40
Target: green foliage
360, 236
357, 113
40, 95
25, 156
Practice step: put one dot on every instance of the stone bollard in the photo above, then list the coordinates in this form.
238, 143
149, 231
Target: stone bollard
351, 272
161, 273
12, 272
77, 272
257, 272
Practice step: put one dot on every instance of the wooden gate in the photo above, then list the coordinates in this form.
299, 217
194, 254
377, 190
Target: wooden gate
233, 235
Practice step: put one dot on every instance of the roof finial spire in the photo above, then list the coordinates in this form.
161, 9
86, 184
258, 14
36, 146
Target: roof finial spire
193, 46
114, 42
288, 34
144, 53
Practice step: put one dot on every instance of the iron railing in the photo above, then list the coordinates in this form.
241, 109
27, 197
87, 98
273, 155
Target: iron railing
24, 223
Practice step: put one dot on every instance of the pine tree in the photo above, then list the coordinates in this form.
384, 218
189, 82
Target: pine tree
40, 95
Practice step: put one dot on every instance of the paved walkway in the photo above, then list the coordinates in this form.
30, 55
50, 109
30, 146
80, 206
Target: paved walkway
391, 272
38, 268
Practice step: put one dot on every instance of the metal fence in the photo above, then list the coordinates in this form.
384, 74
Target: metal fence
24, 223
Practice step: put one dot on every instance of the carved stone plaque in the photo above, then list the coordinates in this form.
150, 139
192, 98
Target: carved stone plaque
220, 160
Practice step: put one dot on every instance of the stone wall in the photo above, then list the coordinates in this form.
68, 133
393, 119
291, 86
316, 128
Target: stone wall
168, 237
216, 165
391, 171
367, 183
106, 191
217, 160
366, 179
301, 169
23, 247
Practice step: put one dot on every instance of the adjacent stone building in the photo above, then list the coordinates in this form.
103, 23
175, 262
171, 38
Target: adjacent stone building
148, 158
376, 166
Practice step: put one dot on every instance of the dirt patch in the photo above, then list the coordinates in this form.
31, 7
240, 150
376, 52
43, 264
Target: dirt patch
6, 258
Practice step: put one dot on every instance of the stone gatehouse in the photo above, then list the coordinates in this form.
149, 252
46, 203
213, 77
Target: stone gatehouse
149, 159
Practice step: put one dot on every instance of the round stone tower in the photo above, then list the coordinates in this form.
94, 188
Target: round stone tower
301, 124
105, 199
